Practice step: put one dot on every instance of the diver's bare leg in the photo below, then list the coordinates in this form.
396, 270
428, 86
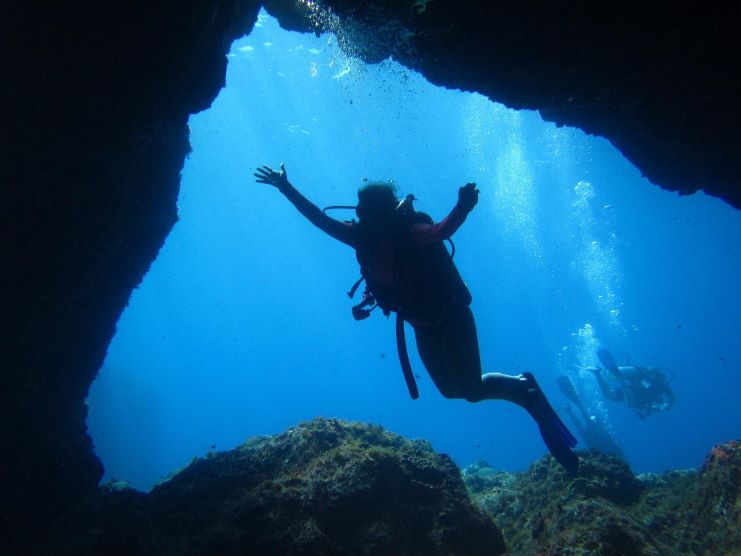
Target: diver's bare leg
498, 386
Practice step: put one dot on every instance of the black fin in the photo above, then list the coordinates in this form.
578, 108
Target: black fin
556, 435
608, 361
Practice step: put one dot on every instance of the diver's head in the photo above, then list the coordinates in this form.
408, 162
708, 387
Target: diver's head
377, 202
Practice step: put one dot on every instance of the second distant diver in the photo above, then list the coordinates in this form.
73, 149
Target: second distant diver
408, 270
592, 430
645, 390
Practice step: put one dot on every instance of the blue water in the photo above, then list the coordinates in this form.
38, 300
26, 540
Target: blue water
242, 325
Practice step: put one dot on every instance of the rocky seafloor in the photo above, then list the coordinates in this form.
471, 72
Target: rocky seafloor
605, 509
335, 487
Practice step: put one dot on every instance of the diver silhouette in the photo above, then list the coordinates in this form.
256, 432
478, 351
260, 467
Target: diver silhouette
645, 390
592, 430
408, 270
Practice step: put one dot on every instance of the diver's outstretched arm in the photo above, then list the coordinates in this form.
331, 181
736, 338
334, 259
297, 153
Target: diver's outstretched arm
339, 230
425, 234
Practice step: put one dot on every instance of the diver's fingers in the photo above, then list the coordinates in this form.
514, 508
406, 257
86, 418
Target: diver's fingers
470, 189
261, 179
266, 175
266, 170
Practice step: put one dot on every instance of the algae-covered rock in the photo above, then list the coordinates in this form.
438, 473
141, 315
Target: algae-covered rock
605, 509
606, 476
551, 511
323, 487
330, 487
719, 490
699, 512
720, 481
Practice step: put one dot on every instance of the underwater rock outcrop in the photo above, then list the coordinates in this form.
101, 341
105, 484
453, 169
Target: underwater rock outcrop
329, 486
322, 487
605, 509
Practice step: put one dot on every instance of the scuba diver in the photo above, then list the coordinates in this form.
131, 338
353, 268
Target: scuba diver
644, 389
408, 270
592, 431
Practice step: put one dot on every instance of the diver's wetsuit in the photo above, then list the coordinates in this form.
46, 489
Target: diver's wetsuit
443, 323
446, 336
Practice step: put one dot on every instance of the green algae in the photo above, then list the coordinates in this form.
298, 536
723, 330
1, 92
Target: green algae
605, 509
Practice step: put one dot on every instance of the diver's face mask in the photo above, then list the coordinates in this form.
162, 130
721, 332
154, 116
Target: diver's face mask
405, 206
392, 211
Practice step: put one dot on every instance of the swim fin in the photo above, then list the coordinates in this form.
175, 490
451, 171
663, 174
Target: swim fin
556, 435
568, 389
608, 361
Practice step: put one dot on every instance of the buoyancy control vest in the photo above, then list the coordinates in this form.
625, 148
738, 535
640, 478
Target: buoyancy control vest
421, 284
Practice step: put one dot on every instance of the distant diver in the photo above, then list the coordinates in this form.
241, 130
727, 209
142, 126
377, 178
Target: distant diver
589, 427
645, 390
408, 270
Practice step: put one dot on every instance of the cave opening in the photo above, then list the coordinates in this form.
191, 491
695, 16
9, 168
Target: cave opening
242, 327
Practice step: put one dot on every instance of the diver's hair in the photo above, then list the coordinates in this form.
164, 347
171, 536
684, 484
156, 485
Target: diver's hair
376, 197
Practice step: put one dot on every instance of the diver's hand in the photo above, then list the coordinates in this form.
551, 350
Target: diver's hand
468, 196
272, 177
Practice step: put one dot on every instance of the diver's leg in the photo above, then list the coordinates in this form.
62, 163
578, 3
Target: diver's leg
450, 352
461, 345
525, 392
498, 386
521, 389
554, 432
432, 346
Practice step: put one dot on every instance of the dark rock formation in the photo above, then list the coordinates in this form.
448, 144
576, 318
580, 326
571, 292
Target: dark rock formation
658, 83
96, 98
604, 509
323, 487
94, 135
334, 487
